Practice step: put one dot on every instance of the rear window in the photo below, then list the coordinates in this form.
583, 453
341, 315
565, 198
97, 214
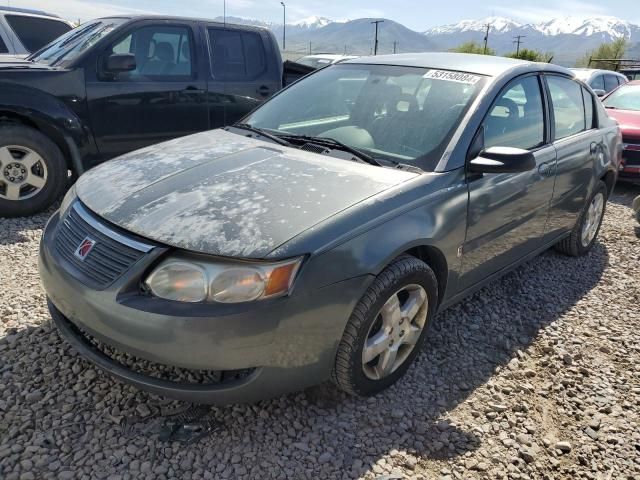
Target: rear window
34, 32
236, 55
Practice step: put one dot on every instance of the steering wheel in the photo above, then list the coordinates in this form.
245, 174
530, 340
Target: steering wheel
410, 99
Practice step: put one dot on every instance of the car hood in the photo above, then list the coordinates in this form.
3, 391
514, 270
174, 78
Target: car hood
629, 121
225, 194
18, 63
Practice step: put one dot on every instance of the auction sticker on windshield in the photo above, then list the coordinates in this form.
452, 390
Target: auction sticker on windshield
459, 77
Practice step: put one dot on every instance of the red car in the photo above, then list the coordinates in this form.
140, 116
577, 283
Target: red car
623, 104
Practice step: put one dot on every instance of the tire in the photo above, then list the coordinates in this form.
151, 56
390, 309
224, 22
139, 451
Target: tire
45, 167
406, 279
574, 245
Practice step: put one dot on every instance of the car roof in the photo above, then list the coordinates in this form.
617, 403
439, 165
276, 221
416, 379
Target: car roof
138, 17
588, 72
466, 62
29, 11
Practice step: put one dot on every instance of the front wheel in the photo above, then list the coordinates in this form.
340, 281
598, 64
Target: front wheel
33, 172
586, 229
387, 328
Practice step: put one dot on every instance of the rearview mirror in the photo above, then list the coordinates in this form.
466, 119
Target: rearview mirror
503, 160
121, 62
599, 92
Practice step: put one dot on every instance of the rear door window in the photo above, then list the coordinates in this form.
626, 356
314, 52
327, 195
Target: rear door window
610, 82
597, 83
35, 32
588, 108
568, 106
236, 55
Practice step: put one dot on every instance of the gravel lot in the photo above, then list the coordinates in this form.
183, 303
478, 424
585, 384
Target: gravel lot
536, 376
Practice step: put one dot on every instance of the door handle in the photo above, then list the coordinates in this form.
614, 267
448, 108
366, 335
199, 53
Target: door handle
263, 90
544, 169
594, 148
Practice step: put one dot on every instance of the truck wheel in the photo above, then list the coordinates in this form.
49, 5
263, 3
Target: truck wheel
387, 328
585, 232
33, 172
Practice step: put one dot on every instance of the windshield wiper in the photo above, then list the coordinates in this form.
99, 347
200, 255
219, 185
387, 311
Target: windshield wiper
262, 133
335, 143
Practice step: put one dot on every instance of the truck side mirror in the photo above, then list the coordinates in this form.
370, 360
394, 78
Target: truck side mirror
120, 62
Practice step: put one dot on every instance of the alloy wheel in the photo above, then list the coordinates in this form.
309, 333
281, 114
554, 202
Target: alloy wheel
23, 173
395, 332
592, 219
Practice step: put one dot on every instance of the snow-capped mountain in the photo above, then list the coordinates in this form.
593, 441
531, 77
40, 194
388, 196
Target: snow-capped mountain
313, 22
567, 38
568, 25
498, 24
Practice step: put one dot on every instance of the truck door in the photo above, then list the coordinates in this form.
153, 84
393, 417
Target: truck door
244, 72
162, 98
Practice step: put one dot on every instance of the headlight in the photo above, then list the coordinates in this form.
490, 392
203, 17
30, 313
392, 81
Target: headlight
188, 279
68, 199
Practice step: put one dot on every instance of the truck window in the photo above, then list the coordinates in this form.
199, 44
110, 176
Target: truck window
35, 32
235, 54
160, 51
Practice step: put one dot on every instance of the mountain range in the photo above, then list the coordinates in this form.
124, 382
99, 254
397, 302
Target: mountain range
567, 38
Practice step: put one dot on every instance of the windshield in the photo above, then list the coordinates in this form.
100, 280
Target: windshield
401, 114
626, 97
64, 49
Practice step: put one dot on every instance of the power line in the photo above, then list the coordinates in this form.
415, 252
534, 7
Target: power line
518, 41
486, 37
375, 45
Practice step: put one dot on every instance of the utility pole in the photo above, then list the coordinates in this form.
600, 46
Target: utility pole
309, 48
395, 44
284, 25
518, 41
486, 38
375, 45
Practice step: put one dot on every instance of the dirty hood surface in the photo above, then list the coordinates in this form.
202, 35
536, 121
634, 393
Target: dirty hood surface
225, 194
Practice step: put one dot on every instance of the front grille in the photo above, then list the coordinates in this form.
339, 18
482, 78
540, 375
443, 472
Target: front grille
631, 157
107, 260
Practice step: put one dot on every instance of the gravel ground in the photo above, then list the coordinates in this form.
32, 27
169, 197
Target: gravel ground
535, 376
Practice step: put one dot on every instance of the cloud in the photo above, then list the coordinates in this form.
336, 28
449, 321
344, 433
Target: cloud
575, 8
80, 9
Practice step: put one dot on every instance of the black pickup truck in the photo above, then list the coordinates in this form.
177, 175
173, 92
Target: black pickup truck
117, 84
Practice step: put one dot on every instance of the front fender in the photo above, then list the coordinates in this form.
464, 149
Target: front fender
436, 220
60, 114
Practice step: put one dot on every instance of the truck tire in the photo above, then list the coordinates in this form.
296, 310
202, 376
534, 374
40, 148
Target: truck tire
586, 229
387, 328
33, 172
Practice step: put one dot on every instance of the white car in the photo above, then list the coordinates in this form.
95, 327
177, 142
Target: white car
600, 81
25, 31
323, 59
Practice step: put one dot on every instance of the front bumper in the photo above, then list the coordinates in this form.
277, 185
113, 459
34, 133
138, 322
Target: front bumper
288, 343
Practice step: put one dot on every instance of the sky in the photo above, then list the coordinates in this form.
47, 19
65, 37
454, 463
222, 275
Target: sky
415, 14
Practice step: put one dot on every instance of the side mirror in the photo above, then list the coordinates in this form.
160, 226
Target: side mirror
121, 62
599, 92
503, 160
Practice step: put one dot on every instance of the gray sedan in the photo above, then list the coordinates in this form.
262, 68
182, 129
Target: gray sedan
317, 239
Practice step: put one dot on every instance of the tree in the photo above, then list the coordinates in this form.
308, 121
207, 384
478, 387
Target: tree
611, 51
473, 47
531, 55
